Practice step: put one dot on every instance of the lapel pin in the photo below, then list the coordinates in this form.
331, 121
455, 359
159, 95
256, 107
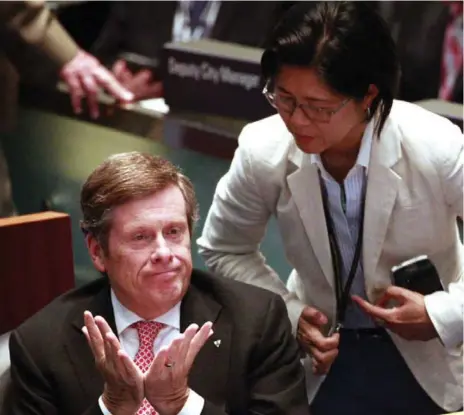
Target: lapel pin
217, 343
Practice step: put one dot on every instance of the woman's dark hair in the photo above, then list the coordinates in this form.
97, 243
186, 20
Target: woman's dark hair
347, 43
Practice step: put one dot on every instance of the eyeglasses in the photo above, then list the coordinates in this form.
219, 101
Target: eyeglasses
290, 104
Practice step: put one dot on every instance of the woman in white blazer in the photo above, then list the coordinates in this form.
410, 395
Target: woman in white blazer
358, 183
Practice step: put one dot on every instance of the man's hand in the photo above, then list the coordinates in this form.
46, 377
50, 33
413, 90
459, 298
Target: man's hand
141, 84
166, 381
408, 318
123, 391
84, 75
323, 350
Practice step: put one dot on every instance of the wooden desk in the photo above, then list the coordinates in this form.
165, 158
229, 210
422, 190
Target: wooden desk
208, 134
36, 264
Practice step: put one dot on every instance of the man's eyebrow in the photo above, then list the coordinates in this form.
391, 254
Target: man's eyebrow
180, 221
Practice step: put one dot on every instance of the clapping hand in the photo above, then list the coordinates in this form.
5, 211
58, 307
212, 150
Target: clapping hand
164, 385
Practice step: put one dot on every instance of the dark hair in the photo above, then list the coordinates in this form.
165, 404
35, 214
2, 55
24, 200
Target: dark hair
348, 44
125, 177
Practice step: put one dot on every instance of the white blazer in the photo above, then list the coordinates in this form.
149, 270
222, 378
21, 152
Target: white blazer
414, 195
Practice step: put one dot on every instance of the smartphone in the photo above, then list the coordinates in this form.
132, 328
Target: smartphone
417, 274
136, 62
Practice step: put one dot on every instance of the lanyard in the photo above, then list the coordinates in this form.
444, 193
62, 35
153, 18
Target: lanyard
342, 292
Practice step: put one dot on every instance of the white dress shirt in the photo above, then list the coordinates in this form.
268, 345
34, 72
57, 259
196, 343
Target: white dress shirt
129, 339
182, 31
4, 363
345, 209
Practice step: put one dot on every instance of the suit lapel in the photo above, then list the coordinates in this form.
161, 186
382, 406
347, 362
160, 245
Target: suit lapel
77, 347
209, 373
165, 12
305, 188
210, 370
225, 18
382, 189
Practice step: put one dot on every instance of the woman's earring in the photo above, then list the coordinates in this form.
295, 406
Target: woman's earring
368, 113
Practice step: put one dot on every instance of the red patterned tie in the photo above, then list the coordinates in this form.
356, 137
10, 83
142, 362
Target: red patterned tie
147, 331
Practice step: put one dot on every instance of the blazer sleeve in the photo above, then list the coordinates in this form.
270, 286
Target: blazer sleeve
277, 379
38, 30
235, 226
30, 392
446, 308
276, 376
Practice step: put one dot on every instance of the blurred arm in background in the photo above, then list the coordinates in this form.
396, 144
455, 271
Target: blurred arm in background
30, 33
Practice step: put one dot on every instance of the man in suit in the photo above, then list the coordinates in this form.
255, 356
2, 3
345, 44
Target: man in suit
142, 28
358, 182
162, 337
31, 37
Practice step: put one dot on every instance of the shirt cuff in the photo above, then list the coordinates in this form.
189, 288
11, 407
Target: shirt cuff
103, 407
445, 312
294, 308
193, 406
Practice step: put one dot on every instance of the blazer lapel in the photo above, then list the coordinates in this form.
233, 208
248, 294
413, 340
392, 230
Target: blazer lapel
382, 189
305, 189
210, 370
78, 349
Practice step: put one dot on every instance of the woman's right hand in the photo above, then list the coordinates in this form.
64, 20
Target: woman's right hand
323, 350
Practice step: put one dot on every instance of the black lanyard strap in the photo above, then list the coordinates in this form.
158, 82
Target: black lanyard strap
342, 292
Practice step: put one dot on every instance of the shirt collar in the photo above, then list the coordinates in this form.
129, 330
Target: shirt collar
124, 317
364, 150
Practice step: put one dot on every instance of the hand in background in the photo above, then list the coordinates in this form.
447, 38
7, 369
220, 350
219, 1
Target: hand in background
84, 76
323, 350
408, 318
141, 84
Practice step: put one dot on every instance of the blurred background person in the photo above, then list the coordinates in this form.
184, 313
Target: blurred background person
358, 182
142, 28
429, 42
32, 37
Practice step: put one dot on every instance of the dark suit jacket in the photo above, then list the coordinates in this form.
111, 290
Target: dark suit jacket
255, 370
143, 27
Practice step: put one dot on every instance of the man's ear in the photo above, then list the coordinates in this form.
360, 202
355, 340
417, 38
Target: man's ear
96, 252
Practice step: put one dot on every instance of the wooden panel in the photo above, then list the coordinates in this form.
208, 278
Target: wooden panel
36, 264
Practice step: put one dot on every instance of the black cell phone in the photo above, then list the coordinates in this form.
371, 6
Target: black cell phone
136, 62
417, 274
